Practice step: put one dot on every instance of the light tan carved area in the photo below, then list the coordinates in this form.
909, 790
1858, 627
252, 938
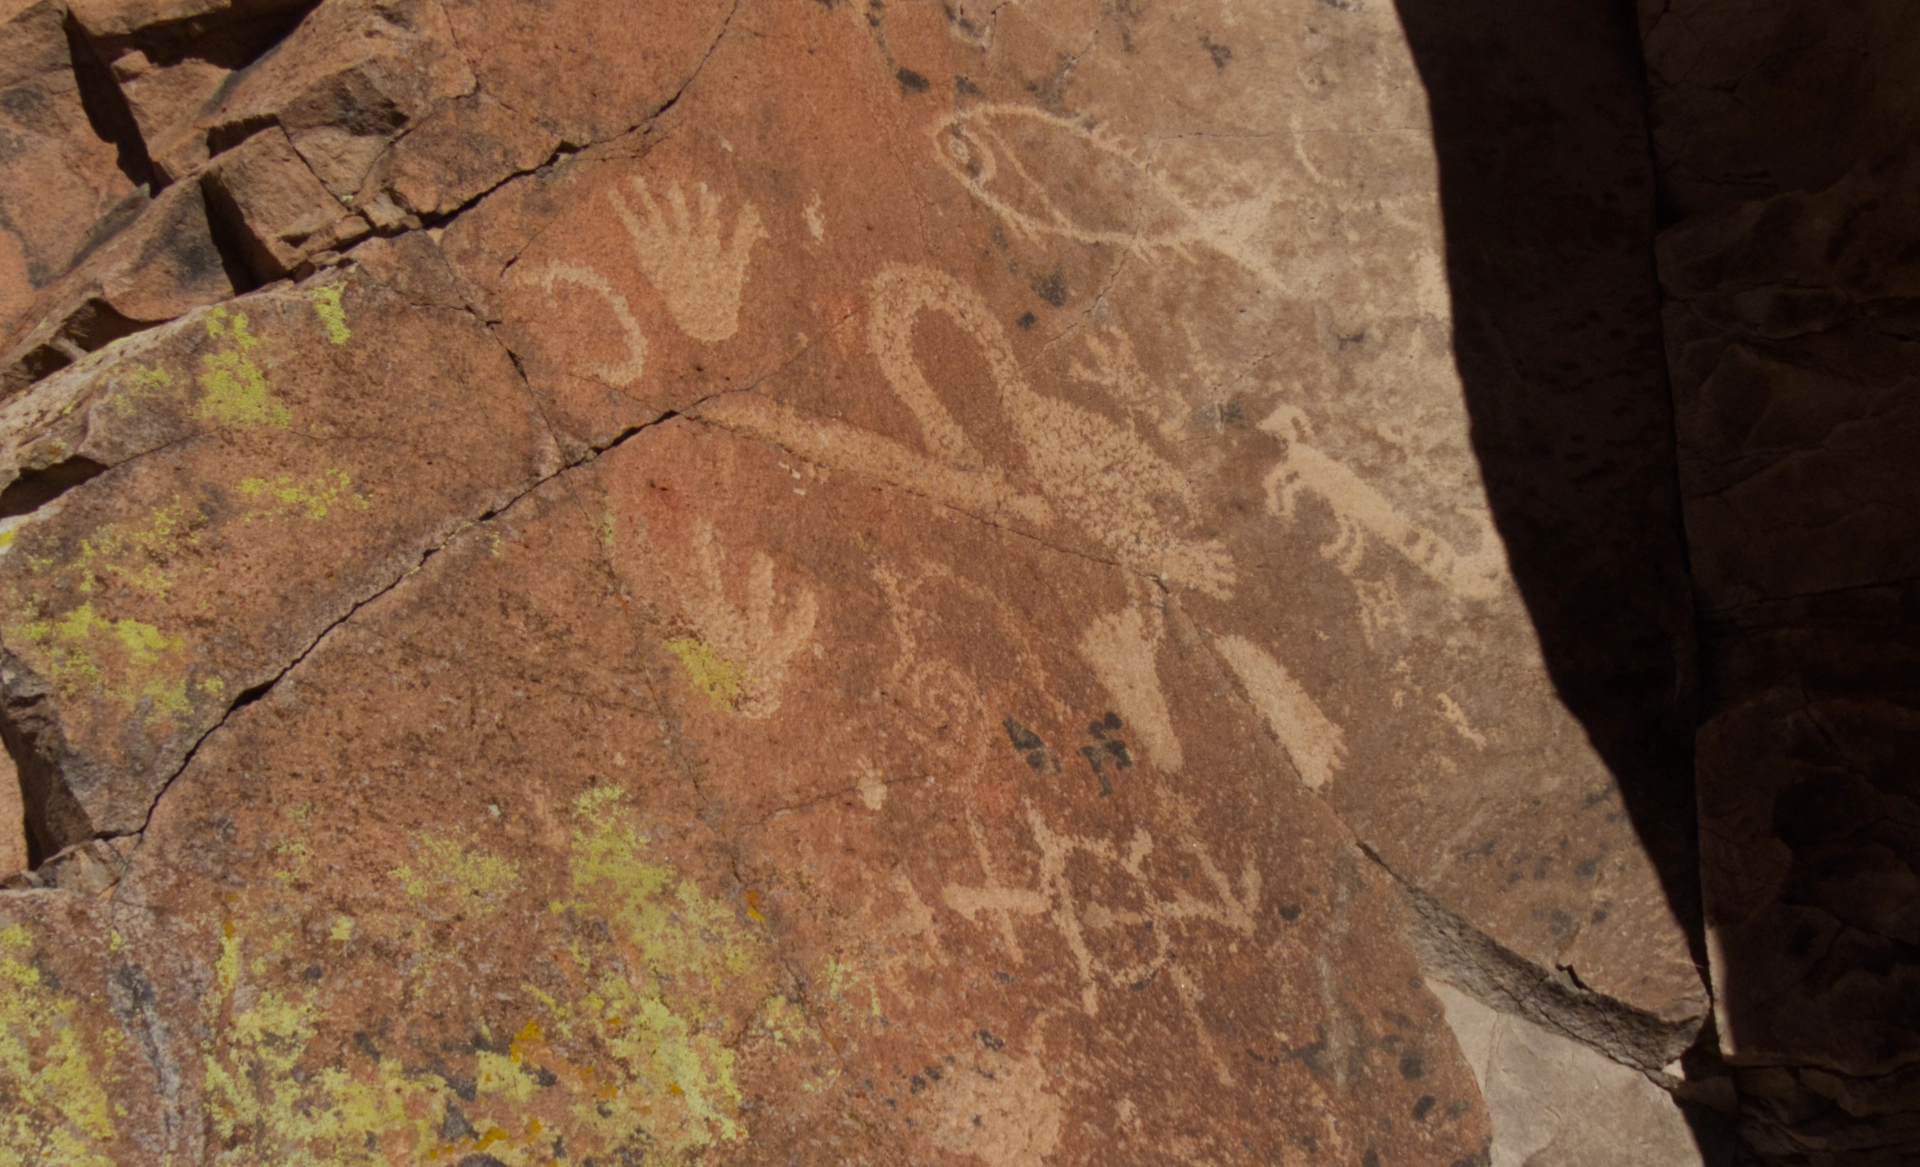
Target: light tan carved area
1316, 745
1121, 650
1092, 473
1011, 1119
681, 251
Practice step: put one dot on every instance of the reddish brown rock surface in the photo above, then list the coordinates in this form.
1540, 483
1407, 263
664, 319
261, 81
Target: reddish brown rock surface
847, 584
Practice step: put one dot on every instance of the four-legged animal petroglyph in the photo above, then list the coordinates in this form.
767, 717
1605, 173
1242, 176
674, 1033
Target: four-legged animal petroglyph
1361, 509
681, 253
1078, 919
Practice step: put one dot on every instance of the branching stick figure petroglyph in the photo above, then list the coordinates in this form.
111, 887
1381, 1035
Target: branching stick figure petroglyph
1360, 509
618, 375
1078, 919
759, 638
681, 253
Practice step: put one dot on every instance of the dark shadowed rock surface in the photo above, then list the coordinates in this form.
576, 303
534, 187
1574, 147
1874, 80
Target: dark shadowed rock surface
1784, 140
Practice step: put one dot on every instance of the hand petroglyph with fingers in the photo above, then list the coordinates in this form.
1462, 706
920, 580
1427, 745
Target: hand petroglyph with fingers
743, 651
681, 252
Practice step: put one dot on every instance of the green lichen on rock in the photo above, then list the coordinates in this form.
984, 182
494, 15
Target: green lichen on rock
724, 682
333, 317
234, 387
622, 1051
137, 553
57, 1104
311, 498
446, 868
127, 660
136, 383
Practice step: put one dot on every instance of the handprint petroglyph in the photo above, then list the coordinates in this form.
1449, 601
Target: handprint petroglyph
741, 653
1081, 920
1361, 509
680, 250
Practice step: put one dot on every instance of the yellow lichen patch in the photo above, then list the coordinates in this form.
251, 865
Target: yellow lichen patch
326, 304
624, 1050
57, 1102
234, 388
721, 680
311, 498
134, 385
137, 553
446, 868
257, 1088
129, 661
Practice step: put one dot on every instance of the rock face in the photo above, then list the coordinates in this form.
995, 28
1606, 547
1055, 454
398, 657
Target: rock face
1790, 278
848, 583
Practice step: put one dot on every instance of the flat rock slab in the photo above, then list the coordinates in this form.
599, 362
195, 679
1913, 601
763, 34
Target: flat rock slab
928, 603
256, 470
570, 877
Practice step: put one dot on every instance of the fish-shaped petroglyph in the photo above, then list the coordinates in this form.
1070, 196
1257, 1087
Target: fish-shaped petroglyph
1046, 174
680, 251
757, 639
1092, 472
1052, 900
1360, 509
621, 374
1317, 746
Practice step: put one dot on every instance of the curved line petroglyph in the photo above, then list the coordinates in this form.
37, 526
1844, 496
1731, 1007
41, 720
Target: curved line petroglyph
1092, 471
1317, 746
680, 251
628, 371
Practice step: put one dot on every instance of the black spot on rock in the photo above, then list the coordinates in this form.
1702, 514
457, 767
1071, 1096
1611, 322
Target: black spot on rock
1052, 288
912, 82
1410, 1066
1423, 1107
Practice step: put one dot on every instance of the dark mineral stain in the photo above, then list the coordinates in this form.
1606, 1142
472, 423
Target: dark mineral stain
454, 1126
911, 81
1027, 320
1423, 1107
991, 1042
1411, 1066
1221, 54
1052, 288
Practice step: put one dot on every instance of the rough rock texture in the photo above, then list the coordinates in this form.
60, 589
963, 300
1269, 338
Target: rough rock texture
888, 583
1792, 338
1554, 1102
